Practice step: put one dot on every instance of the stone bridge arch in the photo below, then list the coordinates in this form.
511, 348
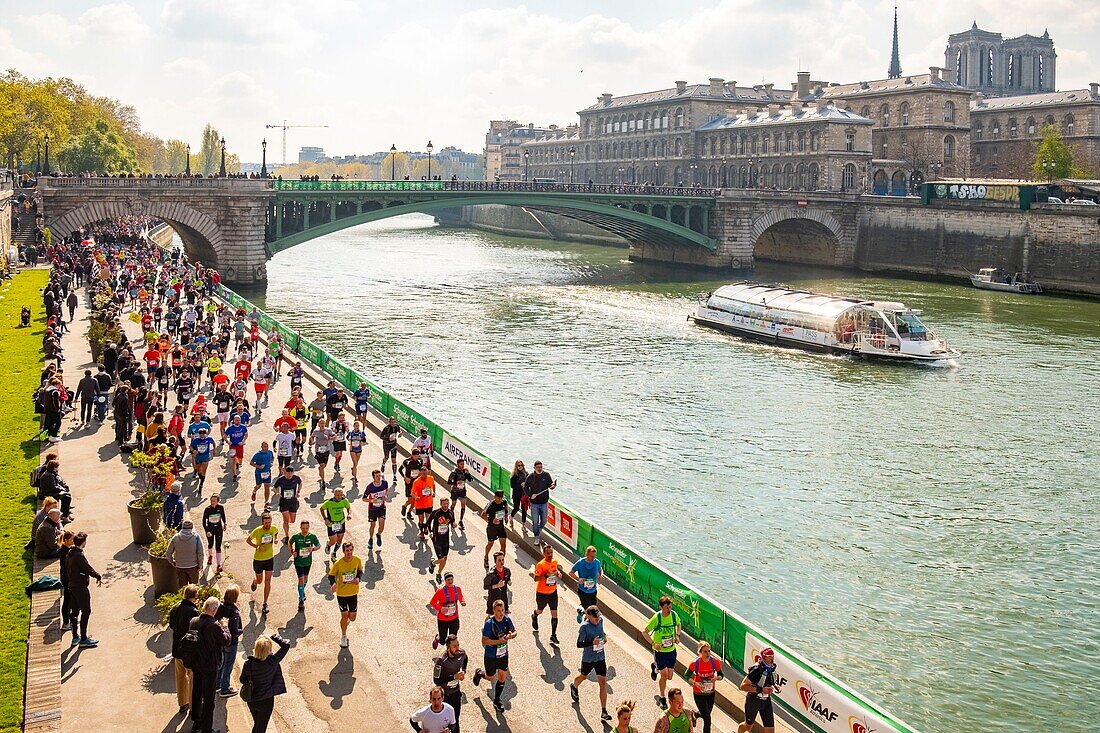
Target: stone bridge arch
805, 235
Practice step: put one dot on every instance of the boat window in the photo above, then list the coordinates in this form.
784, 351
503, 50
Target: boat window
911, 327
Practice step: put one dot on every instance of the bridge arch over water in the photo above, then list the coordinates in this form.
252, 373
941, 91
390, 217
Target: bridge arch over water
798, 234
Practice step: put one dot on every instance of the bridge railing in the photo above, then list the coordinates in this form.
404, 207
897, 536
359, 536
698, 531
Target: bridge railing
497, 186
151, 182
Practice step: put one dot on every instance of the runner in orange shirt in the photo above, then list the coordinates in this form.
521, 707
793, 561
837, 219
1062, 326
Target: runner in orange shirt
547, 576
423, 492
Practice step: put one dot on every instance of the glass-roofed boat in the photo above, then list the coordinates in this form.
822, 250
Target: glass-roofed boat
865, 328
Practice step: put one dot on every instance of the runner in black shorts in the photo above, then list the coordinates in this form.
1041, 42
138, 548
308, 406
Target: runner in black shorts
495, 635
390, 434
456, 482
494, 515
496, 584
288, 488
410, 471
440, 522
759, 683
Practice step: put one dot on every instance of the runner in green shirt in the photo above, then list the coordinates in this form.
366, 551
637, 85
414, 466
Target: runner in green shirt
663, 632
302, 546
263, 561
336, 512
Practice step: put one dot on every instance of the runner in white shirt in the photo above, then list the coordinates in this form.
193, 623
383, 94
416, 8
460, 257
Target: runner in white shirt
260, 377
284, 445
435, 717
424, 445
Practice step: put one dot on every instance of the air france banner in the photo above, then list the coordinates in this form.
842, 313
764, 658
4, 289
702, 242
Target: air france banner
476, 464
819, 702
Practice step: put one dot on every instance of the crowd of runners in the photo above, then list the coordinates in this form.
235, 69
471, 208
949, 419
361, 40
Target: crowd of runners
197, 381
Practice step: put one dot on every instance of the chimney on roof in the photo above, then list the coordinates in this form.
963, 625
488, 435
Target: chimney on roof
803, 88
732, 87
934, 73
773, 110
979, 99
1094, 89
796, 107
681, 86
716, 86
606, 98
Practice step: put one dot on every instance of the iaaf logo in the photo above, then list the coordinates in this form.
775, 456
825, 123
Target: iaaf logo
808, 697
859, 725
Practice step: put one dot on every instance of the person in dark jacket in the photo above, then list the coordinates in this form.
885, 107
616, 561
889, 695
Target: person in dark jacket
179, 619
124, 413
79, 574
66, 545
233, 625
87, 389
110, 358
47, 536
213, 638
50, 483
519, 494
263, 671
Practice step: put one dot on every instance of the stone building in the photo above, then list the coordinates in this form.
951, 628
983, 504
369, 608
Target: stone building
1005, 131
921, 127
504, 160
986, 62
497, 130
554, 156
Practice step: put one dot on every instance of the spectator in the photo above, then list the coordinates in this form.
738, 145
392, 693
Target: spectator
173, 508
213, 638
50, 484
185, 553
179, 619
79, 574
232, 616
87, 389
47, 536
264, 673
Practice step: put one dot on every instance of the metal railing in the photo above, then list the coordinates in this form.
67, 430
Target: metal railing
150, 182
498, 186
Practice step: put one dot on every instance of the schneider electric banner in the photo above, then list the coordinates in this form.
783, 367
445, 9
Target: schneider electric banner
818, 701
477, 464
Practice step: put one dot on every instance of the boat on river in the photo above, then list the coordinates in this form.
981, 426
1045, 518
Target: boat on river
992, 278
862, 328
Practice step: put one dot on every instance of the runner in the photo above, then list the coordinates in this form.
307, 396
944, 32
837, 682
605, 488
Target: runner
340, 430
237, 433
676, 718
703, 673
592, 640
758, 685
321, 440
449, 671
375, 494
423, 490
213, 523
356, 439
663, 633
497, 631
390, 435
261, 461
547, 574
297, 376
202, 450
435, 717
302, 547
456, 482
494, 514
261, 375
263, 560
285, 443
288, 488
410, 471
343, 577
335, 400
213, 367
496, 584
285, 418
440, 522
316, 410
300, 413
336, 512
445, 601
223, 403
361, 398
587, 572
424, 445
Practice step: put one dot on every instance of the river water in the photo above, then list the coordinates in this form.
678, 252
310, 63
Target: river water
929, 535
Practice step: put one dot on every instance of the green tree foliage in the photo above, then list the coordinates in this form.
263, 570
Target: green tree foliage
99, 149
209, 159
176, 156
1058, 156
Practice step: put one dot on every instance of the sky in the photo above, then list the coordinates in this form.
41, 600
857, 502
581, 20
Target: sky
405, 72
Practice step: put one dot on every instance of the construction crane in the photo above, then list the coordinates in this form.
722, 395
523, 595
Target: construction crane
284, 127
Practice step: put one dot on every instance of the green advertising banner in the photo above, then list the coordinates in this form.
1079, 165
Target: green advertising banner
312, 353
266, 321
290, 338
700, 617
341, 372
412, 421
379, 398
502, 479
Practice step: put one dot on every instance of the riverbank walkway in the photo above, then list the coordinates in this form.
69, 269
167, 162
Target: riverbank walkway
126, 684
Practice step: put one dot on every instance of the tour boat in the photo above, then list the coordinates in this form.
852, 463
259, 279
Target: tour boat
815, 322
991, 278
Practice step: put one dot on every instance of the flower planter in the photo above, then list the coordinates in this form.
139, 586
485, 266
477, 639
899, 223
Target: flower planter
144, 523
165, 579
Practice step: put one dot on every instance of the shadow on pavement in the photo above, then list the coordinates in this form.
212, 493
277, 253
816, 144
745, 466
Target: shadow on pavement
341, 680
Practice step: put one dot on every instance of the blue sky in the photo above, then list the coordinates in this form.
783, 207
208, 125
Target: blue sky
405, 72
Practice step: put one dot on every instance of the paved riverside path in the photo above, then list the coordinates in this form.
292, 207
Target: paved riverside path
386, 672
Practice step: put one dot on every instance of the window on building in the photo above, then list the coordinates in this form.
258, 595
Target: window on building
1012, 127
754, 141
679, 117
848, 177
958, 67
1011, 71
814, 141
850, 141
615, 126
722, 146
996, 130
801, 142
978, 131
630, 124
949, 147
767, 139
905, 113
664, 120
865, 112
884, 148
884, 113
989, 68
1050, 120
1030, 125
949, 112
790, 143
679, 147
1042, 70
741, 146
1069, 124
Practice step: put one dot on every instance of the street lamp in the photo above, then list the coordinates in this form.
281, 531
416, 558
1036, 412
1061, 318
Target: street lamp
572, 155
37, 158
223, 159
263, 165
393, 162
188, 171
526, 156
47, 153
694, 177
430, 148
656, 174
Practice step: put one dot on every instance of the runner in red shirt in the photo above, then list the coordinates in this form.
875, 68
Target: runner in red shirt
445, 602
704, 674
285, 419
242, 369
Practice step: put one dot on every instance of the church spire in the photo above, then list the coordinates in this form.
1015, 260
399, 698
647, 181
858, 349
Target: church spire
895, 61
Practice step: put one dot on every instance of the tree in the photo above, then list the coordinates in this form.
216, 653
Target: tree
176, 154
1057, 155
29, 114
99, 149
209, 159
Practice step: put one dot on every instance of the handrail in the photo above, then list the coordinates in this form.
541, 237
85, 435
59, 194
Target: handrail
497, 186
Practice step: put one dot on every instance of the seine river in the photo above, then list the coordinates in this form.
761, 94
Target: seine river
929, 535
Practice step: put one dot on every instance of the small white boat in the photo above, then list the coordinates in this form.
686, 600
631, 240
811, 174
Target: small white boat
815, 322
992, 278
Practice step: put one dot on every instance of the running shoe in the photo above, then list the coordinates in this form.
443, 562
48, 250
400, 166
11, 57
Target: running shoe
574, 693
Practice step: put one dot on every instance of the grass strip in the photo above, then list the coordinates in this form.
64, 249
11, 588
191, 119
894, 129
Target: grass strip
21, 357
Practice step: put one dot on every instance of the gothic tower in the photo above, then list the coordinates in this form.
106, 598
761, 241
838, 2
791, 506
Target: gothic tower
998, 66
895, 61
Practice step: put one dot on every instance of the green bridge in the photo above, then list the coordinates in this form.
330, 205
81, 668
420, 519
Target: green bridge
303, 210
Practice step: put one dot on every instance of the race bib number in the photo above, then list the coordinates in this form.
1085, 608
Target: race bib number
265, 475
502, 650
413, 473
305, 551
426, 492
668, 642
348, 577
337, 527
706, 686
452, 684
288, 493
377, 499
214, 519
442, 529
267, 539
551, 580
450, 609
598, 644
500, 516
588, 584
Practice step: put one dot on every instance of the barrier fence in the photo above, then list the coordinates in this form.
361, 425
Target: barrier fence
809, 694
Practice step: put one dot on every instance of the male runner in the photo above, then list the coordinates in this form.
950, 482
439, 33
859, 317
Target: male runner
302, 547
497, 631
592, 640
663, 632
494, 514
336, 512
262, 539
440, 522
288, 488
456, 482
375, 494
344, 576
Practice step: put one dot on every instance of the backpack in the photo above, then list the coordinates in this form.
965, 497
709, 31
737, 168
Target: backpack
39, 405
191, 651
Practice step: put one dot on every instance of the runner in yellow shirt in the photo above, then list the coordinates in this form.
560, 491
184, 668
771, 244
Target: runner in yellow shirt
343, 577
263, 539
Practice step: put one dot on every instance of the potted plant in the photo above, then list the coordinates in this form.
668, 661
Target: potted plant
157, 467
165, 603
145, 513
165, 579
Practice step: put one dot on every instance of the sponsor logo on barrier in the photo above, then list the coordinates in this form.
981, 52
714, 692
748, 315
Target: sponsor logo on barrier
813, 703
562, 523
859, 725
476, 463
684, 600
622, 559
404, 416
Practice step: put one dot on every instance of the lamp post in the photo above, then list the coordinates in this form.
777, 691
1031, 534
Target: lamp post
633, 173
656, 174
393, 162
694, 173
37, 158
188, 171
222, 172
263, 165
47, 153
752, 175
572, 156
526, 157
430, 160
